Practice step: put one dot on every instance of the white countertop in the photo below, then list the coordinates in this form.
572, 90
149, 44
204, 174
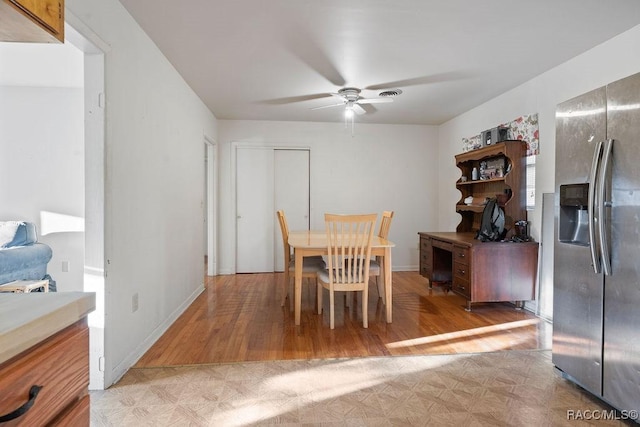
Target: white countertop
27, 319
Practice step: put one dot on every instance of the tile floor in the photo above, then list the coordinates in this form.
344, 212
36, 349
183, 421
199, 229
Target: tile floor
509, 388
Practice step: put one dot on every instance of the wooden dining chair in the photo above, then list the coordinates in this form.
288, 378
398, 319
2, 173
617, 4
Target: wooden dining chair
349, 250
374, 265
310, 266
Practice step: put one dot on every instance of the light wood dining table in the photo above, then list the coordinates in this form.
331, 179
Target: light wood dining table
311, 242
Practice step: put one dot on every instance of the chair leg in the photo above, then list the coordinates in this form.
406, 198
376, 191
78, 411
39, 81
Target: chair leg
319, 291
331, 309
380, 289
365, 311
285, 291
291, 291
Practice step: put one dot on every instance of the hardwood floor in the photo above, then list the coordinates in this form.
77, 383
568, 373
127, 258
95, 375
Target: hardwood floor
239, 318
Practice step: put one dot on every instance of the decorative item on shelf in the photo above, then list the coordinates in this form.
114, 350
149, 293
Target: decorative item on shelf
494, 168
463, 178
496, 134
474, 174
475, 201
522, 231
483, 170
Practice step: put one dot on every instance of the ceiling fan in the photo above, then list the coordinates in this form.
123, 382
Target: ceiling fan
351, 100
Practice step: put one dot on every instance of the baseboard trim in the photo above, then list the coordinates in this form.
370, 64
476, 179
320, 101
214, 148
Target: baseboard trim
122, 368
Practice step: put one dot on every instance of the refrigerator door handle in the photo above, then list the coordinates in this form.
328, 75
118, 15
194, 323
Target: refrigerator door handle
591, 208
603, 226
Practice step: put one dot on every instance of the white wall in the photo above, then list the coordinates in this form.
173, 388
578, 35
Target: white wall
155, 128
42, 149
610, 61
382, 167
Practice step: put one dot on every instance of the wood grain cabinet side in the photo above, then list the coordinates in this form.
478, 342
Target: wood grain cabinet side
39, 21
60, 366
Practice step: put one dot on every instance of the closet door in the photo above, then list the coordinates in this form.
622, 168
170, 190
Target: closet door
268, 179
291, 195
254, 210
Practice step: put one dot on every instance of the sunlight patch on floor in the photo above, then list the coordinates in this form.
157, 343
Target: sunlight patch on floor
322, 383
468, 333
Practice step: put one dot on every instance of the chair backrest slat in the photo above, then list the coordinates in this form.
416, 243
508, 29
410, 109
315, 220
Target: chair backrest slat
385, 224
348, 246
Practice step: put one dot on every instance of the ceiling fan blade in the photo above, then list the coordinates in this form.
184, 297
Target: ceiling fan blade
299, 43
433, 78
358, 109
369, 108
292, 99
374, 100
327, 106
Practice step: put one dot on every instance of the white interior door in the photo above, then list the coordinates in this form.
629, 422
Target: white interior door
211, 163
254, 209
291, 195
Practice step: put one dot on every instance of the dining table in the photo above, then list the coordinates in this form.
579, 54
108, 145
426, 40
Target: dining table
312, 243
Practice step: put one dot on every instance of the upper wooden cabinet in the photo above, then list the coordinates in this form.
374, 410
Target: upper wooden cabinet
39, 21
503, 178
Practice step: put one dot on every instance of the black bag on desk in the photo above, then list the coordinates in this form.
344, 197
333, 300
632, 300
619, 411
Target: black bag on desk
492, 225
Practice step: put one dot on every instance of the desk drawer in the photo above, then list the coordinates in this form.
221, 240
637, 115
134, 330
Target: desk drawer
426, 259
426, 256
425, 244
442, 245
461, 271
59, 364
425, 250
461, 286
461, 255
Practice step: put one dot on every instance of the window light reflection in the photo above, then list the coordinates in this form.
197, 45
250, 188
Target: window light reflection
469, 333
325, 382
52, 222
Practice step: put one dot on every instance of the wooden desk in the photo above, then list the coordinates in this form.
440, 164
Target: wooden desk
310, 243
480, 271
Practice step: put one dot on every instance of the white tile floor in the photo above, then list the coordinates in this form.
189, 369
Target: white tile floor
509, 388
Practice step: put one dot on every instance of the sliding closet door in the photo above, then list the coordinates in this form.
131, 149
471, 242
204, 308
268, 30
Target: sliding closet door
291, 195
268, 179
254, 210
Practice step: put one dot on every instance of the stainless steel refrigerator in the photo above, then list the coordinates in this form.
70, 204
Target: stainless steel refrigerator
596, 308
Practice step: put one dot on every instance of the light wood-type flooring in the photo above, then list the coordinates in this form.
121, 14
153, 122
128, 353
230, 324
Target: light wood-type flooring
448, 368
238, 318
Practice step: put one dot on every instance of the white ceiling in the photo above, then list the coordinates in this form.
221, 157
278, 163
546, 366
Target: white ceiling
277, 59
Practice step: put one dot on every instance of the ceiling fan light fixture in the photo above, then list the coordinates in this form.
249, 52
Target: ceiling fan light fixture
348, 110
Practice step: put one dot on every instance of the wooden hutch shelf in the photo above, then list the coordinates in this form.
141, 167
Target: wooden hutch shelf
485, 271
509, 187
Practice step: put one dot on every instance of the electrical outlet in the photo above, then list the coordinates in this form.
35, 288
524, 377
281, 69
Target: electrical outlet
65, 266
134, 303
